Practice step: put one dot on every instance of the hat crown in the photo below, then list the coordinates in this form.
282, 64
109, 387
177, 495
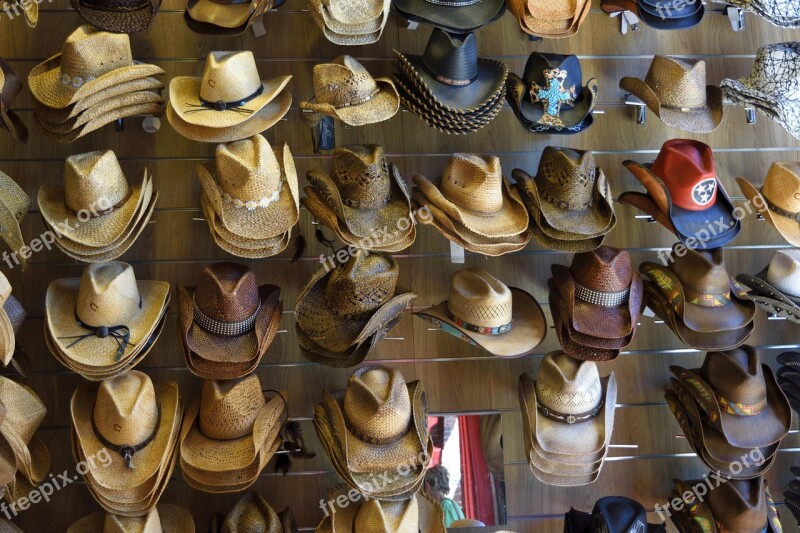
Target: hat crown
89, 53
539, 64
108, 295
474, 182
343, 83
735, 375
388, 517
228, 409
94, 182
772, 73
126, 410
252, 515
678, 83
377, 405
568, 386
248, 169
618, 513
229, 77
480, 299
20, 409
782, 185
450, 57
362, 284
687, 169
740, 505
604, 269
361, 173
783, 272
703, 273
567, 177
149, 523
227, 292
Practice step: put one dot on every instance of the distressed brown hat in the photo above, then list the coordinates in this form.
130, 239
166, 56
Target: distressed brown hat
10, 87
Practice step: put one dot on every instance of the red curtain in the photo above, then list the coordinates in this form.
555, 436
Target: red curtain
476, 485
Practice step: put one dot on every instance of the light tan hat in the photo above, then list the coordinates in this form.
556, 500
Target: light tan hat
86, 121
24, 412
345, 33
252, 514
163, 518
778, 199
14, 205
237, 245
91, 60
252, 188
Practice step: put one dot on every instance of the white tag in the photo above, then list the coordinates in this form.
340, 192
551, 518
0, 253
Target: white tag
626, 19
412, 25
456, 253
632, 19
648, 312
258, 27
736, 18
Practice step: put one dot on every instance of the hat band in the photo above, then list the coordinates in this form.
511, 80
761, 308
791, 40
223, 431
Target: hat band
236, 106
568, 419
741, 409
505, 328
603, 299
780, 211
94, 213
706, 300
117, 9
75, 81
121, 334
374, 440
445, 79
226, 329
127, 450
360, 101
453, 4
252, 205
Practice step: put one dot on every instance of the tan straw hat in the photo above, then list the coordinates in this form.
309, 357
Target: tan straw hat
485, 312
778, 199
14, 205
252, 187
96, 115
252, 514
164, 518
91, 60
24, 412
675, 90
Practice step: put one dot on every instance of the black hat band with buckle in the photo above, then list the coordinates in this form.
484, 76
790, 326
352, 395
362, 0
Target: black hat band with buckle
127, 451
568, 419
120, 333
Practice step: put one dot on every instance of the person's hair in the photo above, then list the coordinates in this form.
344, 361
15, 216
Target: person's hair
437, 480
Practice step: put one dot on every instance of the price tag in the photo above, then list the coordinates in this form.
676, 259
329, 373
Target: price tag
456, 253
326, 134
258, 27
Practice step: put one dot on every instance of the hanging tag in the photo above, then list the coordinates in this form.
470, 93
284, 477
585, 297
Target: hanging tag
456, 254
648, 312
735, 17
534, 38
627, 20
326, 134
632, 19
412, 24
258, 27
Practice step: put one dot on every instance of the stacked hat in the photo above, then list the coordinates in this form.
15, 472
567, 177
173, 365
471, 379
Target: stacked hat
596, 303
418, 513
567, 419
14, 204
163, 518
225, 17
97, 214
250, 197
227, 322
670, 15
10, 87
121, 16
789, 378
474, 206
699, 301
229, 435
12, 315
348, 22
771, 84
728, 408
129, 427
778, 199
781, 13
230, 102
776, 289
483, 311
453, 16
252, 514
342, 312
94, 81
378, 425
550, 97
363, 193
448, 86
684, 194
346, 91
24, 458
675, 90
569, 200
104, 323
613, 514
550, 19
744, 506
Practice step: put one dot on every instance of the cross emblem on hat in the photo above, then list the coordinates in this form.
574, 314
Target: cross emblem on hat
553, 96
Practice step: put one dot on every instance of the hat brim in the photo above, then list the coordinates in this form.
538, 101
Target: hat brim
421, 103
225, 15
450, 18
58, 116
788, 227
101, 109
528, 330
762, 292
136, 110
237, 245
383, 106
698, 120
118, 21
367, 19
14, 125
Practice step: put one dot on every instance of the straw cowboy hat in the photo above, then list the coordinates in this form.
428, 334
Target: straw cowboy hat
163, 518
614, 514
453, 16
363, 192
227, 322
14, 205
481, 310
350, 23
225, 17
122, 16
778, 199
252, 513
252, 187
550, 19
346, 305
23, 412
345, 90
569, 200
10, 87
675, 90
776, 289
739, 396
91, 60
104, 316
238, 245
418, 513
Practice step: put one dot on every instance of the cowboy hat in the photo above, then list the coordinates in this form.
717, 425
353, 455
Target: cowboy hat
10, 87
252, 513
482, 310
14, 205
121, 16
675, 90
676, 17
218, 17
778, 199
781, 13
776, 289
453, 16
613, 514
86, 121
350, 23
342, 307
164, 518
549, 19
23, 412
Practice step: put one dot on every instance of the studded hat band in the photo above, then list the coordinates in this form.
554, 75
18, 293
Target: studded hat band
603, 299
226, 329
568, 419
360, 101
780, 211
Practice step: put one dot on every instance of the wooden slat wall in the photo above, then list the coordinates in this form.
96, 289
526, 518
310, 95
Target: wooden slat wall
457, 378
